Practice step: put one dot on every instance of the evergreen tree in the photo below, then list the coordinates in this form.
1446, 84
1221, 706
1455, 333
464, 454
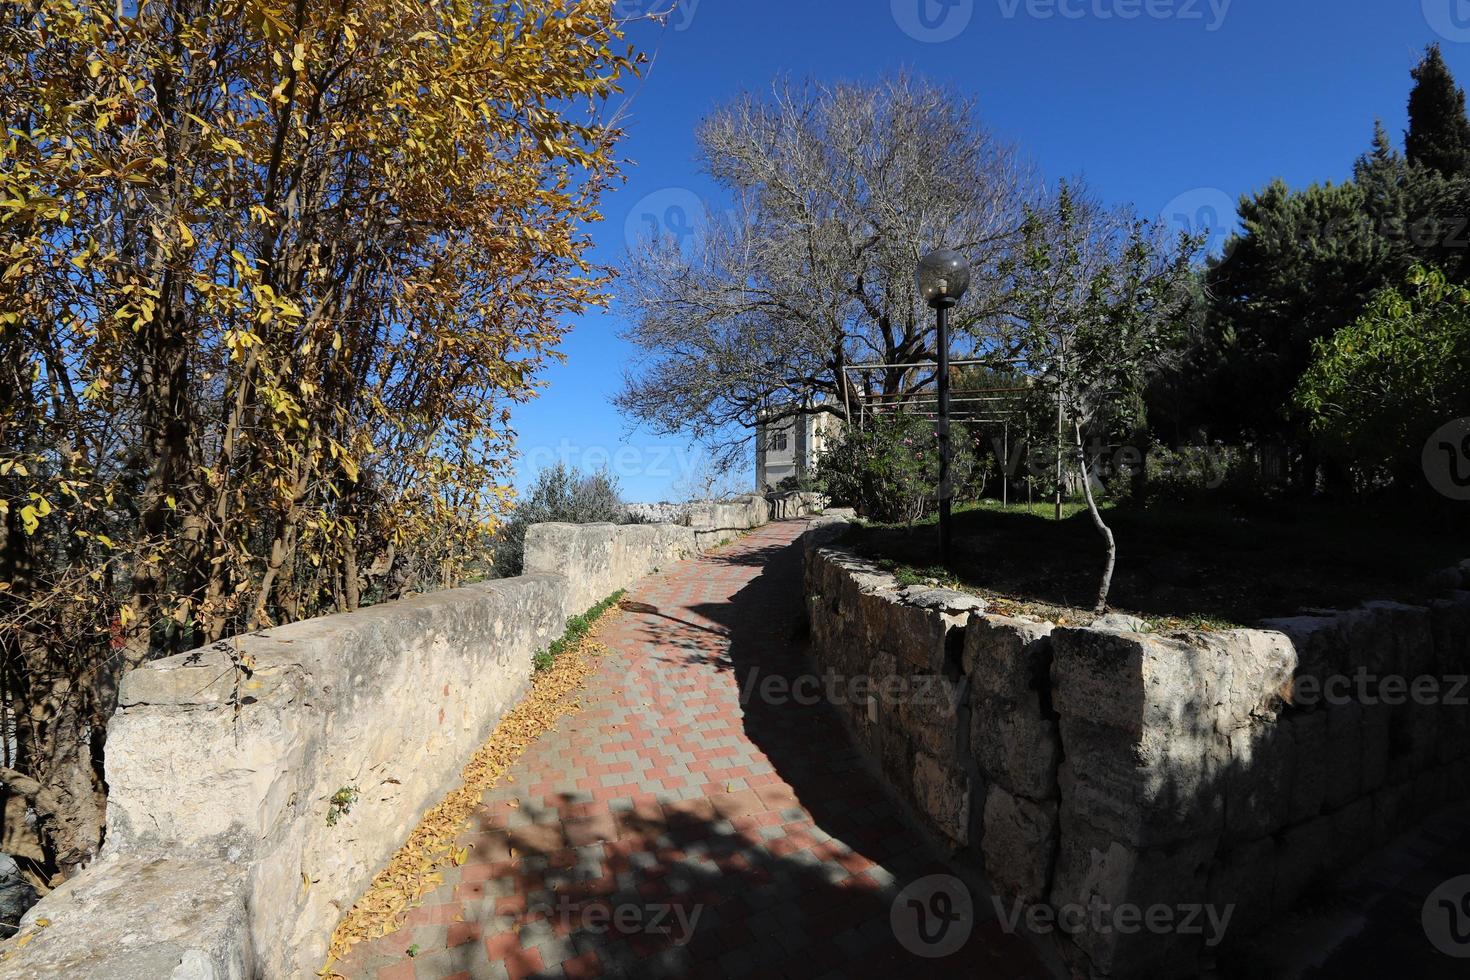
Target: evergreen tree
1439, 132
1302, 267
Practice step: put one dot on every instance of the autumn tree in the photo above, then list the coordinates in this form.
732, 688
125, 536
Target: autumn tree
273, 273
834, 191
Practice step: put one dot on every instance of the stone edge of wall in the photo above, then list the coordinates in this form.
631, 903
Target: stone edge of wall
222, 762
1061, 759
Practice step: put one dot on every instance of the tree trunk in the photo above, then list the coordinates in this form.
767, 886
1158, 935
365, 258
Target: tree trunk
1106, 585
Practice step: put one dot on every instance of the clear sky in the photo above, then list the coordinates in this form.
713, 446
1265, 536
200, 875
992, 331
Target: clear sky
1175, 106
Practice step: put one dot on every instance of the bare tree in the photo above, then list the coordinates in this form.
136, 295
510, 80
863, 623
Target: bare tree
835, 193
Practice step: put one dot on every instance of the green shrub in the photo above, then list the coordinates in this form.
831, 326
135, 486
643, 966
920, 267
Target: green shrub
1191, 473
889, 470
1378, 387
561, 495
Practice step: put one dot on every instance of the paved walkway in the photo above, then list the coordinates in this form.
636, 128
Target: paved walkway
669, 829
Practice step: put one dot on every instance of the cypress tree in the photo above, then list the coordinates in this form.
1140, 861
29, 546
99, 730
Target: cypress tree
1439, 132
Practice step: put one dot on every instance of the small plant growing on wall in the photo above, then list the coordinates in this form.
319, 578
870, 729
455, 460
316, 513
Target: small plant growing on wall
577, 628
341, 804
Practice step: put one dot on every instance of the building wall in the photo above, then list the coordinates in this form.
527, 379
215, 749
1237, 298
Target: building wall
806, 437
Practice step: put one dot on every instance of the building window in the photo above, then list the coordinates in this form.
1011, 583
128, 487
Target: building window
777, 442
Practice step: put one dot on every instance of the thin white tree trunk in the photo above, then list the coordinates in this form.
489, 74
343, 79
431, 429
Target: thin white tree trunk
1106, 585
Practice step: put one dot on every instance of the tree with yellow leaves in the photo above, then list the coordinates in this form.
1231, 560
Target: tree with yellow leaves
271, 274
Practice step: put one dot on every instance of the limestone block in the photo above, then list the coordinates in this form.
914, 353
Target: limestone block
1133, 682
916, 633
823, 532
134, 918
1309, 780
1017, 749
1147, 789
897, 762
1320, 645
1019, 843
1259, 782
1344, 754
1096, 870
1391, 638
1430, 791
599, 559
1014, 736
1423, 736
1377, 723
1244, 876
1450, 628
878, 707
946, 601
1302, 854
1391, 811
1351, 834
583, 552
943, 795
1260, 665
1121, 623
1008, 660
1184, 682
929, 714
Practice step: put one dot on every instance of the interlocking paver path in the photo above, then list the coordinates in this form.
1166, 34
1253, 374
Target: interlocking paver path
671, 802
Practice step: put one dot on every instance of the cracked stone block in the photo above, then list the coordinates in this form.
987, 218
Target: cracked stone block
943, 795
1097, 870
1013, 730
1020, 844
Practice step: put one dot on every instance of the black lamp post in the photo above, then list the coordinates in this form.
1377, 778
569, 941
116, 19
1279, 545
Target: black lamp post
944, 275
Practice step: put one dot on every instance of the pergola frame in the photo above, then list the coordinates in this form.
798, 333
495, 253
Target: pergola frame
999, 401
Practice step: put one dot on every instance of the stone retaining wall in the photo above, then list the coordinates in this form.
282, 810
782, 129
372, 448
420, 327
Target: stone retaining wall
225, 855
1104, 766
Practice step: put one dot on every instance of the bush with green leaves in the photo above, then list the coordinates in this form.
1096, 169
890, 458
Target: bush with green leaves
1192, 473
888, 470
561, 495
1377, 388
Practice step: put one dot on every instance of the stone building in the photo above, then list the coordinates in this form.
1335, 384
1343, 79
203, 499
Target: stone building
787, 448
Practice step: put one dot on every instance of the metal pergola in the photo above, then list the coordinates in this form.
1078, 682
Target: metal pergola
995, 405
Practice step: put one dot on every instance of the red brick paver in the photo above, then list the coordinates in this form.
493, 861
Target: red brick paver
677, 828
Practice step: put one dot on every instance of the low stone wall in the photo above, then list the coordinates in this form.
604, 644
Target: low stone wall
606, 556
1103, 767
794, 503
256, 785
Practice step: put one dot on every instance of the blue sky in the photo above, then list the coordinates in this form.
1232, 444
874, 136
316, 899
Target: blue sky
1177, 109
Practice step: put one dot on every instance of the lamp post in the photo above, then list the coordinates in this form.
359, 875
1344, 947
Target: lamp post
943, 277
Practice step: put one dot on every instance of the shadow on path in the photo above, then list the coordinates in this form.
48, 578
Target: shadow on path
674, 828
